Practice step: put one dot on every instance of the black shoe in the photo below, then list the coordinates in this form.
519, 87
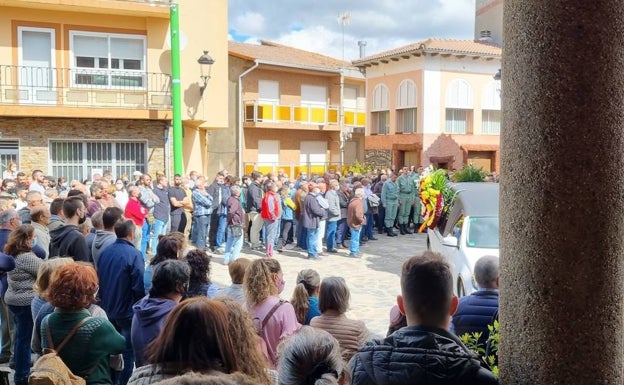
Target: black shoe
334, 251
407, 229
402, 229
373, 239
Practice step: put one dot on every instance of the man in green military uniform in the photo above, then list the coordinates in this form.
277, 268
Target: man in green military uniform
390, 201
415, 179
406, 200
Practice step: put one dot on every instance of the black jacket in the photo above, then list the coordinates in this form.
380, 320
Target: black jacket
254, 197
419, 355
69, 241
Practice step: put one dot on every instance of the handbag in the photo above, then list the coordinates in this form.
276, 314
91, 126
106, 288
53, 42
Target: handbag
237, 231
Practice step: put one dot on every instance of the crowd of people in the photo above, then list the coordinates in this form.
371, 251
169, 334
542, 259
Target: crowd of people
122, 268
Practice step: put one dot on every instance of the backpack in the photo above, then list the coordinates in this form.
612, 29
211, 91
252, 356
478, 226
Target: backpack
50, 369
259, 326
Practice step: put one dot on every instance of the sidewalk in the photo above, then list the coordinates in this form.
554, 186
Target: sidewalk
373, 279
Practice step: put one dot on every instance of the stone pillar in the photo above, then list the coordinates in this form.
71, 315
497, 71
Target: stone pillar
562, 192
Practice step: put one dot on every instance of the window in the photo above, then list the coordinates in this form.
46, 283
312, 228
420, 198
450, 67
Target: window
457, 121
406, 107
380, 113
491, 114
490, 122
459, 105
107, 60
380, 122
9, 152
76, 160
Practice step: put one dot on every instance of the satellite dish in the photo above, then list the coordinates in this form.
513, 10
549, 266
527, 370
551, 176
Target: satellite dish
183, 40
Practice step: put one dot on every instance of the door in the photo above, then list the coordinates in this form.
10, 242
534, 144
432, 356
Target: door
36, 65
411, 158
481, 159
268, 155
314, 155
9, 152
268, 100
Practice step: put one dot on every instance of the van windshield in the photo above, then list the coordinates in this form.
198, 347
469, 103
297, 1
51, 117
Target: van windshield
482, 232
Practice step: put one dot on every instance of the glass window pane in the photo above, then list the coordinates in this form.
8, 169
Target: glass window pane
103, 62
85, 62
115, 63
130, 64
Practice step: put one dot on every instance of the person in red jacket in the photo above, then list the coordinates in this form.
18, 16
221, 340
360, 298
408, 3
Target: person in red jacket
272, 214
136, 212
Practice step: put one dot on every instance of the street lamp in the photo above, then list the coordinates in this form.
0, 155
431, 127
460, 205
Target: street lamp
205, 60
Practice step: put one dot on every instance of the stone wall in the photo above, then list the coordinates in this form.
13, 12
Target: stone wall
34, 135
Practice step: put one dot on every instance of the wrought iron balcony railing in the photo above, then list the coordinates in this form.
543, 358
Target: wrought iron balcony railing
68, 87
256, 111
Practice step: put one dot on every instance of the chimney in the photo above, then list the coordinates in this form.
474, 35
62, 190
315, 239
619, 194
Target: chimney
362, 45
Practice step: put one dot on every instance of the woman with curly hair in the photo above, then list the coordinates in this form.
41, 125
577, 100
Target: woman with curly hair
73, 289
305, 296
20, 294
195, 338
199, 284
274, 319
247, 343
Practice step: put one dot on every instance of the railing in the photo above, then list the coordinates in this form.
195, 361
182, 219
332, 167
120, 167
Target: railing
293, 170
258, 112
26, 85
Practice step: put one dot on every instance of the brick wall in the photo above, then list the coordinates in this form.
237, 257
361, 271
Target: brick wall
34, 134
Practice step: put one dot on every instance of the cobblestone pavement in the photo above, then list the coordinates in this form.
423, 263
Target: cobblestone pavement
373, 278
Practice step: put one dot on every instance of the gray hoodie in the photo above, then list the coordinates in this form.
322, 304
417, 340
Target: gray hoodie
102, 239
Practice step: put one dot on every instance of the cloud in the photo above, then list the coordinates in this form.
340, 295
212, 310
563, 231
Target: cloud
383, 24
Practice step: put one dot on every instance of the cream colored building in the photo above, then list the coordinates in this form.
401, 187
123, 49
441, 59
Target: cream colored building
85, 85
489, 21
433, 102
298, 111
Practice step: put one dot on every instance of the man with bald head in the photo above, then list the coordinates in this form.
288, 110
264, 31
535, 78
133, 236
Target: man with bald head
476, 311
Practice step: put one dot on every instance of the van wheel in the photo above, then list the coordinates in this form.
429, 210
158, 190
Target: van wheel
461, 291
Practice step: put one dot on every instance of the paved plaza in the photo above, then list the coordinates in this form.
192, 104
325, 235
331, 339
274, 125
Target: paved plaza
373, 279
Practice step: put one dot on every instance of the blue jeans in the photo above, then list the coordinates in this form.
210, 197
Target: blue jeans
342, 231
201, 230
221, 230
233, 246
302, 236
158, 228
123, 326
330, 230
147, 229
312, 235
23, 334
368, 228
354, 244
271, 230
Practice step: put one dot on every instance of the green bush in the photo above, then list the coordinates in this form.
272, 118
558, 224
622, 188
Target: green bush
491, 355
469, 173
359, 168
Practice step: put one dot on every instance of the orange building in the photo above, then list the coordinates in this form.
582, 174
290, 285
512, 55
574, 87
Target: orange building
433, 102
85, 85
299, 111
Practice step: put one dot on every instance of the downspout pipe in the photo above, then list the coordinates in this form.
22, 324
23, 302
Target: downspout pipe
241, 117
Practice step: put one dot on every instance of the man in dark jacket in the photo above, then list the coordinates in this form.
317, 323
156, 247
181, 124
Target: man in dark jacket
67, 240
107, 236
310, 217
120, 271
254, 206
217, 191
423, 352
476, 311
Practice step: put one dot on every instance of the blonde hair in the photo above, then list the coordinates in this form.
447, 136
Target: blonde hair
308, 282
258, 283
245, 340
45, 272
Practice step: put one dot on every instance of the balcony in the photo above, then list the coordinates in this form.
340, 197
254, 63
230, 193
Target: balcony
87, 89
258, 113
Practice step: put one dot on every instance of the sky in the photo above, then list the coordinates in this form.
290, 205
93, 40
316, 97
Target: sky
383, 24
